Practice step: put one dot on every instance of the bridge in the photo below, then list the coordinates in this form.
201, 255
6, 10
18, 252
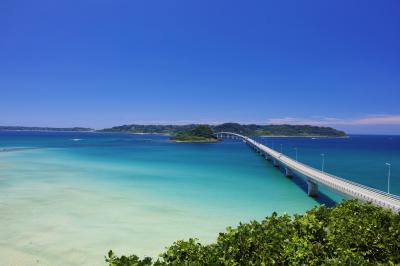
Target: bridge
315, 177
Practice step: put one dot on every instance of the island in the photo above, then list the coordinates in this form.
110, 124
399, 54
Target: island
201, 133
248, 130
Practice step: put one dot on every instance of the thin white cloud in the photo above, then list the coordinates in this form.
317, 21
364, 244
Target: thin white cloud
380, 120
326, 121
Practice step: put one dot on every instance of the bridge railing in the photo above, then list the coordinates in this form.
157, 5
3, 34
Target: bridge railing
347, 181
393, 196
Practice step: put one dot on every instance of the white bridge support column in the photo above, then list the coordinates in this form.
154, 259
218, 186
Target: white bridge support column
288, 172
313, 178
312, 188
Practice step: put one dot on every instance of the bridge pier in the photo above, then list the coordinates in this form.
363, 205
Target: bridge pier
312, 188
288, 172
313, 178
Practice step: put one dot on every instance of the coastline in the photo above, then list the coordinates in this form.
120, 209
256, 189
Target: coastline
263, 136
134, 133
195, 141
164, 134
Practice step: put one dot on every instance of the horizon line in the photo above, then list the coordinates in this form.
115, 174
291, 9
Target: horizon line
171, 124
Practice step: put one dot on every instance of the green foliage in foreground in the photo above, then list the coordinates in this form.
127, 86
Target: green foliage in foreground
351, 233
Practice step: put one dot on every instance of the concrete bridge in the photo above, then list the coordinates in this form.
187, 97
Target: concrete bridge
315, 177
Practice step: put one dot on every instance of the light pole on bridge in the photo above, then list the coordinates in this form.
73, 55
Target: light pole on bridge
281, 148
323, 161
388, 177
296, 152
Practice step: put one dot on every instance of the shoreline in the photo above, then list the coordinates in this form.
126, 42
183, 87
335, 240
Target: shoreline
269, 136
134, 133
194, 141
162, 134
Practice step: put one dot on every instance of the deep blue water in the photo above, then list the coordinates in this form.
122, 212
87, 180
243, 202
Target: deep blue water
360, 158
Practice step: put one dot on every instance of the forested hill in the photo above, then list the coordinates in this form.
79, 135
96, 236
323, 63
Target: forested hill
249, 130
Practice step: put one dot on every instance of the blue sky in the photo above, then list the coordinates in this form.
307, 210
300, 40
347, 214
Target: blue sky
100, 63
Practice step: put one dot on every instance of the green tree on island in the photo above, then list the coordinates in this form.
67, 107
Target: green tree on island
351, 233
200, 133
203, 131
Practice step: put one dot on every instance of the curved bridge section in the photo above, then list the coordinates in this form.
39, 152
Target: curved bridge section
315, 177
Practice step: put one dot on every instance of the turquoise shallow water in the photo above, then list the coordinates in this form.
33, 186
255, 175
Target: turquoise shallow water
67, 198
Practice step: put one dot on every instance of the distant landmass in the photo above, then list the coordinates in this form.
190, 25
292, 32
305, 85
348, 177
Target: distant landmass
45, 128
191, 130
249, 130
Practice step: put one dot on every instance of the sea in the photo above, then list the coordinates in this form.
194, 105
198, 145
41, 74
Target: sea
67, 198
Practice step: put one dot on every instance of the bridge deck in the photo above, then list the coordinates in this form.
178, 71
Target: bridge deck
343, 186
